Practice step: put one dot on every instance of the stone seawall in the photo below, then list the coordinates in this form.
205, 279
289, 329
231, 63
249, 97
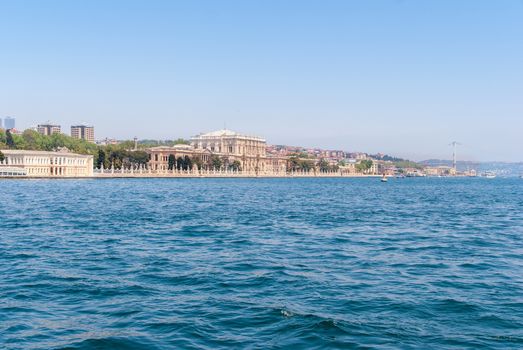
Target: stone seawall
219, 174
119, 175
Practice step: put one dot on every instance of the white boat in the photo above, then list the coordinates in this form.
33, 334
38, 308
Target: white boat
488, 175
384, 179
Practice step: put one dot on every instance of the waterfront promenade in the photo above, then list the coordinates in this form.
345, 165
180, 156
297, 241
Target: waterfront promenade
144, 173
15, 172
175, 173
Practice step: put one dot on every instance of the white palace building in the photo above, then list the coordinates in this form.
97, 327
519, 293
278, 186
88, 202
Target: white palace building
45, 164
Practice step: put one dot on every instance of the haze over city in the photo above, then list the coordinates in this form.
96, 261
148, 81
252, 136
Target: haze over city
400, 77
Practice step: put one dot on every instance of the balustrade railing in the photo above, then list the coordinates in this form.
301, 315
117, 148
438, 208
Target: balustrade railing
144, 171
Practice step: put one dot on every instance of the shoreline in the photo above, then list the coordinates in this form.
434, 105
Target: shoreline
189, 176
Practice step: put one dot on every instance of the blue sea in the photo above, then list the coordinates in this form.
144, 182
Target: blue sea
261, 264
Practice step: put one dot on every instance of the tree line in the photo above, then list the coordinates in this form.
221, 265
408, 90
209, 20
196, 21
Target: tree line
124, 154
214, 162
304, 162
118, 155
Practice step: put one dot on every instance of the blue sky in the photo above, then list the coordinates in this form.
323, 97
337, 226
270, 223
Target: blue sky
402, 77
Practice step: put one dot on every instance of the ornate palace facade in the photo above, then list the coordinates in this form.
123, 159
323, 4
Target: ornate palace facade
45, 164
249, 152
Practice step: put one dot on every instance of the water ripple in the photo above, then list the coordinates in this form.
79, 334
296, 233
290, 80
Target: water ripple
261, 263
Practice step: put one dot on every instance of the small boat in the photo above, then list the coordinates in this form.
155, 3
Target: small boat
489, 175
384, 179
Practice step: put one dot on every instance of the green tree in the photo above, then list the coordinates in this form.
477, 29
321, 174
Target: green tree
2, 156
306, 165
181, 141
297, 163
101, 160
122, 157
364, 165
33, 140
407, 164
323, 165
116, 158
171, 162
236, 166
184, 163
225, 162
215, 162
137, 157
187, 163
9, 139
179, 163
197, 161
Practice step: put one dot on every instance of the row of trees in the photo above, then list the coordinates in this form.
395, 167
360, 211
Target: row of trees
123, 155
407, 164
324, 166
107, 156
181, 163
153, 143
364, 165
302, 162
110, 155
214, 162
32, 140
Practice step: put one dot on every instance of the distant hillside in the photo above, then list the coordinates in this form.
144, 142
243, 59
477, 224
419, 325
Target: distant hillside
400, 163
387, 157
500, 168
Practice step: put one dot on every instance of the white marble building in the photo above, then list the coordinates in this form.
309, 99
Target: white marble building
46, 164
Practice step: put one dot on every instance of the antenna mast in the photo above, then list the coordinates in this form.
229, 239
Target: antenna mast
454, 144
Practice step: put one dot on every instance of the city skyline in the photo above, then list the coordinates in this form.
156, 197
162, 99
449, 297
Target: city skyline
91, 138
400, 77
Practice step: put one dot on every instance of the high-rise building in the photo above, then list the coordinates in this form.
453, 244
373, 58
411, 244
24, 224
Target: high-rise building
48, 129
84, 132
1, 125
9, 123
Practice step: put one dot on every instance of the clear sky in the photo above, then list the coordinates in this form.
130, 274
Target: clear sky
401, 77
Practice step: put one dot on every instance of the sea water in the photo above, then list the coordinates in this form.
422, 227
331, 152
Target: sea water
261, 263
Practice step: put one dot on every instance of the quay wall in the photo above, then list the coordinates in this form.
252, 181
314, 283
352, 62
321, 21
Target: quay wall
127, 173
219, 174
